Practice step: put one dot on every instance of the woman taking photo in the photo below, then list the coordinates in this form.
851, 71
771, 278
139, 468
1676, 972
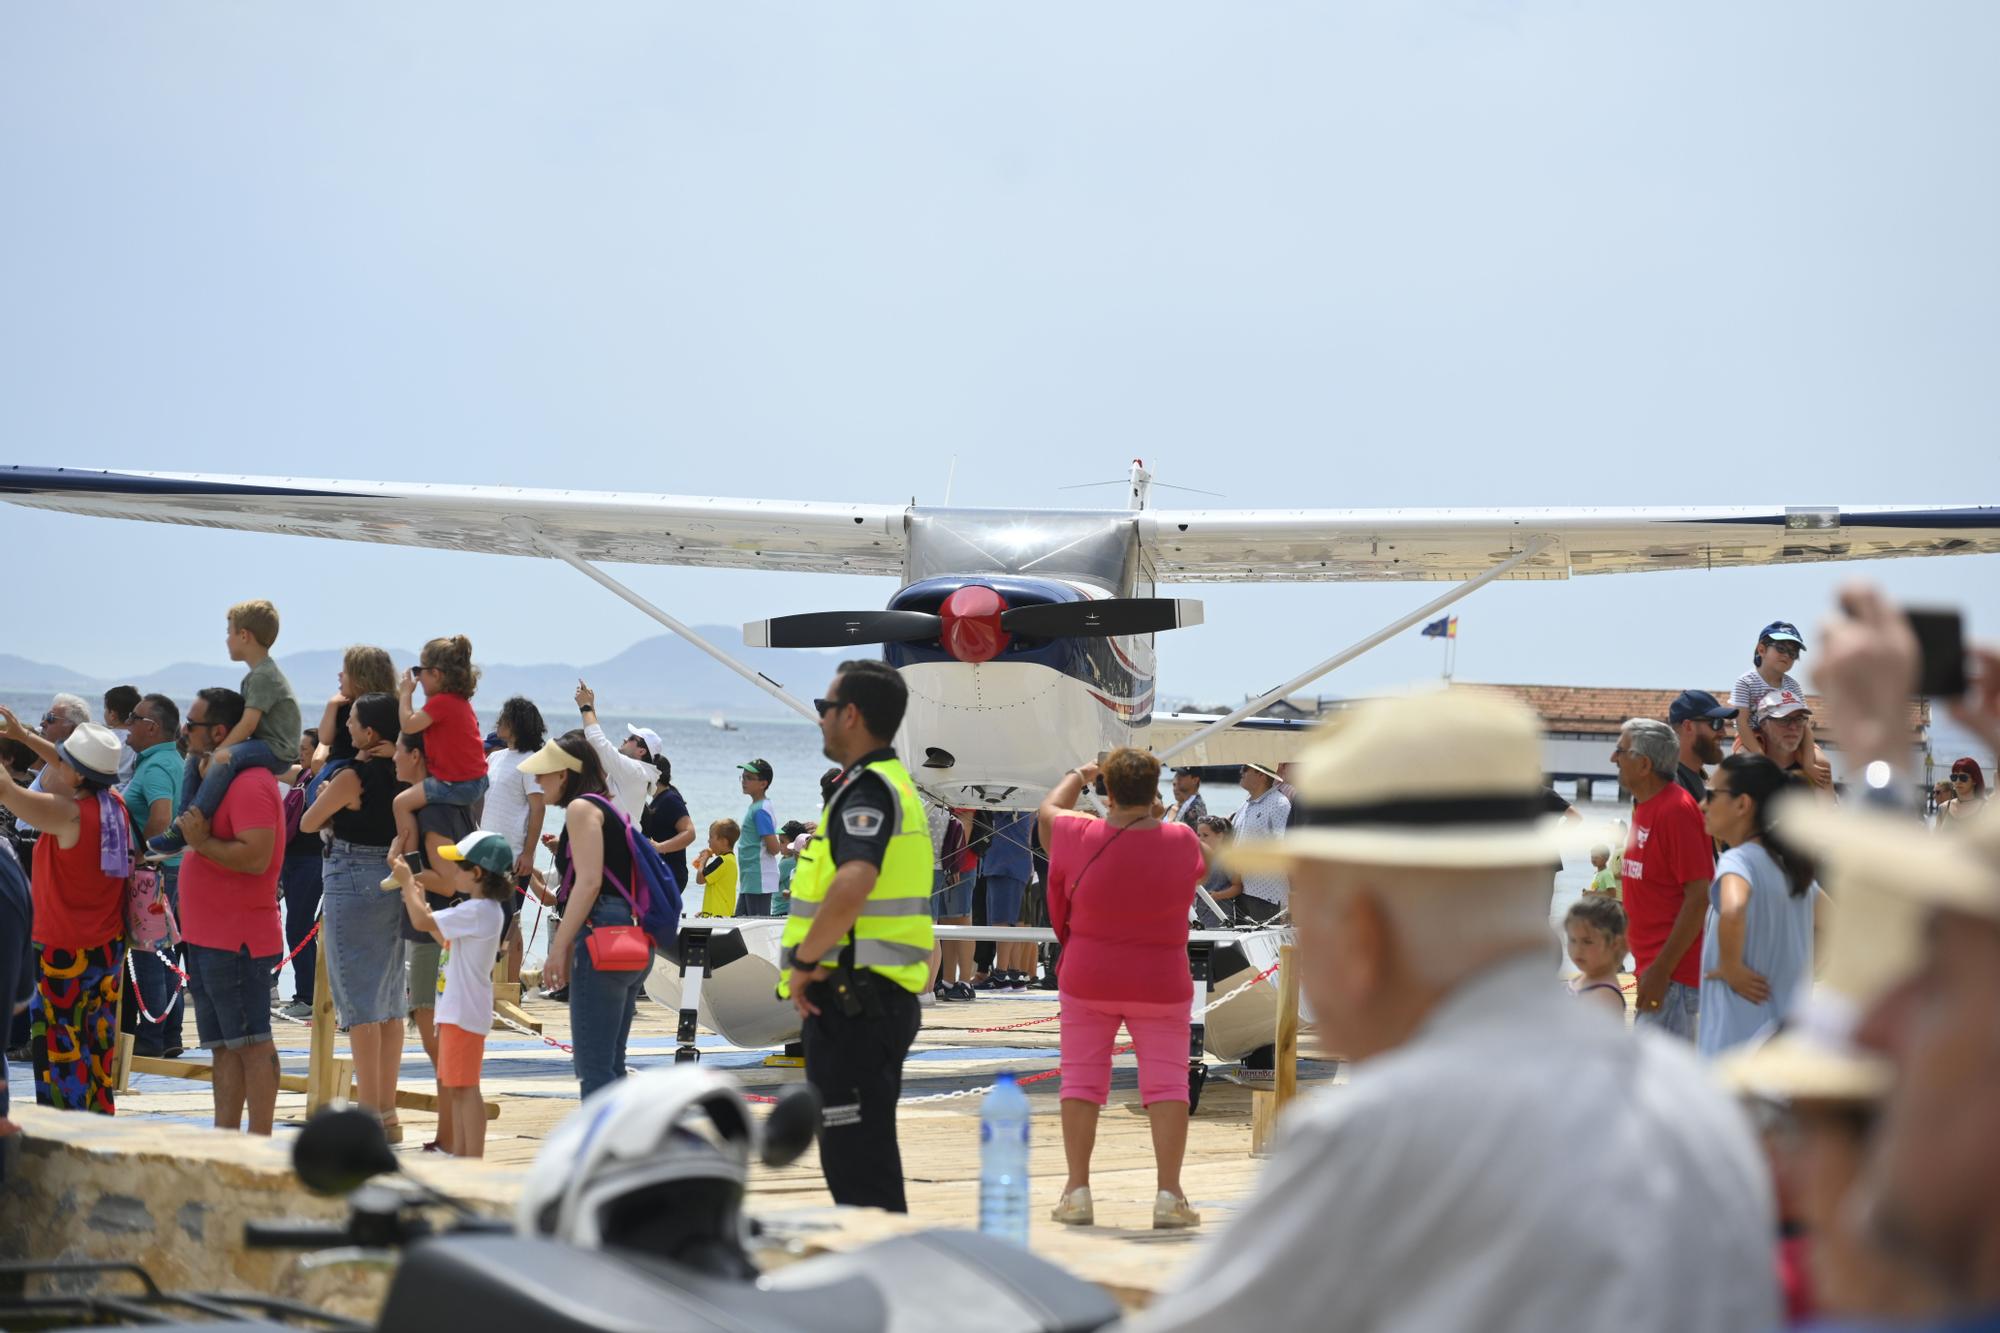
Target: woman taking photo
1757, 945
1119, 893
82, 860
601, 1004
363, 954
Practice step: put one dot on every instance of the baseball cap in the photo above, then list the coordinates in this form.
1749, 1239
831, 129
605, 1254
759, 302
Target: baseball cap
760, 768
1783, 631
648, 737
1694, 704
482, 848
1780, 703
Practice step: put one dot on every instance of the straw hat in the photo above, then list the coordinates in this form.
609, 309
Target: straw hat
1882, 873
1451, 780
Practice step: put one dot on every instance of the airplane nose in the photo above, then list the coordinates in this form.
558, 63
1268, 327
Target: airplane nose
971, 618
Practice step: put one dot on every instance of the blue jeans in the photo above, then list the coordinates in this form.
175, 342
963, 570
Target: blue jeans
439, 792
1678, 1014
205, 793
300, 880
159, 989
601, 1004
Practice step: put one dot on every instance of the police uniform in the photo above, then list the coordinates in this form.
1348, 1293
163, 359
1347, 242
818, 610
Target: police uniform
868, 1011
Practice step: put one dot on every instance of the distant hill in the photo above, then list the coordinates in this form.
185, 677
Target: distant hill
664, 674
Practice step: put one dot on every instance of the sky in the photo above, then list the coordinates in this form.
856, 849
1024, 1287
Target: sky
1473, 253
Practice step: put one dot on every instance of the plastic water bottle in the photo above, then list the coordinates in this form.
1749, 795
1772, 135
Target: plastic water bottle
1003, 1162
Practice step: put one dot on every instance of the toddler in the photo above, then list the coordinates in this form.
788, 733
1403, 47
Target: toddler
717, 872
1608, 880
454, 750
480, 865
1779, 648
1595, 933
267, 735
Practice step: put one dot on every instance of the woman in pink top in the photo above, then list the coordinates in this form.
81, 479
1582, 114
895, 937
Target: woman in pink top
1120, 890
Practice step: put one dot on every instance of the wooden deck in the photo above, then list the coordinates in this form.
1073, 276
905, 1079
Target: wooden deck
531, 1081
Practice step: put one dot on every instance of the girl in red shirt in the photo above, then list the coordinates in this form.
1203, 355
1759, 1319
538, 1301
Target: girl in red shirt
453, 750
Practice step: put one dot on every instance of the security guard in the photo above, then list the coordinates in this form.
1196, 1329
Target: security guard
858, 938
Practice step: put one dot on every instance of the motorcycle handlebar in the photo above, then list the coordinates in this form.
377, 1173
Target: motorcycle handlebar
293, 1235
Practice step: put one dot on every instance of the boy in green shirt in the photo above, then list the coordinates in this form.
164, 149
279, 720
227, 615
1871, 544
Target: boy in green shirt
1606, 880
268, 735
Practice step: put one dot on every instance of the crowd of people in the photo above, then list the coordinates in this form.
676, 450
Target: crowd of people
1795, 1122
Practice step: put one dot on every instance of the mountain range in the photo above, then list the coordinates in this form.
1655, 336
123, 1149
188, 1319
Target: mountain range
664, 674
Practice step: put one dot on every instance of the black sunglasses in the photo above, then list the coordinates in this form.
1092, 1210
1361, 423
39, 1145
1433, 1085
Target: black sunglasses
826, 706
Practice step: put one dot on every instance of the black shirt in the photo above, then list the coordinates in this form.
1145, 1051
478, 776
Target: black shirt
861, 818
1695, 784
662, 820
374, 824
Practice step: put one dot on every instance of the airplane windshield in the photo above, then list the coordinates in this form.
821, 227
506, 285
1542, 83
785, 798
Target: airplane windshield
1100, 549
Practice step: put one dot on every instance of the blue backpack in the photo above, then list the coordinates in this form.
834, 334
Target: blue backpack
654, 895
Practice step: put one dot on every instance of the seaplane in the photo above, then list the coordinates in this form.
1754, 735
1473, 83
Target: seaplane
1025, 635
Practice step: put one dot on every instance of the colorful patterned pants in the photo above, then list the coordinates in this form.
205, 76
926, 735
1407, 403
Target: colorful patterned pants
73, 1026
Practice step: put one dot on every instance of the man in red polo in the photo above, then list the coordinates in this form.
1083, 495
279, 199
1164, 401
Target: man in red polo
1668, 864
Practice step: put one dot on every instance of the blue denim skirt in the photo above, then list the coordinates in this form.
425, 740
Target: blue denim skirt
362, 944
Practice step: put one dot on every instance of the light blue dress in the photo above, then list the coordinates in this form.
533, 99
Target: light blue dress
1777, 943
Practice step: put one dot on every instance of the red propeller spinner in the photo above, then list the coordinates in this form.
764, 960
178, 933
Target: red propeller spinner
971, 618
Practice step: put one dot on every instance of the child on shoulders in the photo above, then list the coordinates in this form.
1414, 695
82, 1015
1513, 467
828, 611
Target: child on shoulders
1779, 647
266, 736
454, 750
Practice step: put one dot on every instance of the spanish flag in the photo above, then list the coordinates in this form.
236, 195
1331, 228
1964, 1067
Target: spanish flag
1444, 627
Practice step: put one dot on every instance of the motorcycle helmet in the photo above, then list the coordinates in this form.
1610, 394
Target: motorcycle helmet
655, 1164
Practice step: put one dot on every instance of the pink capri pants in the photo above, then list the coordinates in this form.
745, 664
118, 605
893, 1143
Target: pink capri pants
1159, 1036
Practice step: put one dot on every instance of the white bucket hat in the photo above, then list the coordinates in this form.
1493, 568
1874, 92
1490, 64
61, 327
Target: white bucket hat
92, 750
1451, 780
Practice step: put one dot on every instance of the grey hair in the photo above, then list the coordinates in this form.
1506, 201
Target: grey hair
71, 707
1654, 740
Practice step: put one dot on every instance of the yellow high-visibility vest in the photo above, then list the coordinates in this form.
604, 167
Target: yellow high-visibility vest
893, 934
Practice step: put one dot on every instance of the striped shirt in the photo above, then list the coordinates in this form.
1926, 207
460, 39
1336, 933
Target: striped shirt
1750, 687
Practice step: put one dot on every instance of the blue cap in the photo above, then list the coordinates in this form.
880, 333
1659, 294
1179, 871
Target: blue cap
1783, 631
1697, 704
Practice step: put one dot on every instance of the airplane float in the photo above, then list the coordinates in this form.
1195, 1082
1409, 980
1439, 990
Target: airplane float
1025, 636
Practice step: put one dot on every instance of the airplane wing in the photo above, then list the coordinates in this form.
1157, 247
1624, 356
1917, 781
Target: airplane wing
1352, 545
597, 525
1269, 741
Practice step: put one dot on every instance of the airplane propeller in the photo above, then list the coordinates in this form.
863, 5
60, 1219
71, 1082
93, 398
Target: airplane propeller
1104, 618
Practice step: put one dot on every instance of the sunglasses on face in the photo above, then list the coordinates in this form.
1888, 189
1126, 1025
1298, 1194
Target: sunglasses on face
1788, 649
1962, 777
826, 706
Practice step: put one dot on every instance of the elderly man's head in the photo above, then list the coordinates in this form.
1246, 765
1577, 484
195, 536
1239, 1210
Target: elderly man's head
66, 713
1383, 943
1648, 753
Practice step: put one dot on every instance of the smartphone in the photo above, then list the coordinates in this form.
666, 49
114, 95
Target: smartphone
1941, 653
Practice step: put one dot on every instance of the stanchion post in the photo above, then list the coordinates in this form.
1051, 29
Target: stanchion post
1201, 958
1286, 1084
322, 1083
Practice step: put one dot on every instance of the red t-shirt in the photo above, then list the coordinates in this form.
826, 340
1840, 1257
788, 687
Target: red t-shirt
77, 905
1668, 847
454, 751
228, 909
1123, 898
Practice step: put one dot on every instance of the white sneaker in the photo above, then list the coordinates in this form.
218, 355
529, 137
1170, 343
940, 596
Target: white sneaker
1074, 1209
1171, 1212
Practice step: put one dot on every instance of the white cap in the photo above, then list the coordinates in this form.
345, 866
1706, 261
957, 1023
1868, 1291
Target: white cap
652, 739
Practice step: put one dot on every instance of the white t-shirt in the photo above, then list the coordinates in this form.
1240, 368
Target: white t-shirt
465, 978
507, 793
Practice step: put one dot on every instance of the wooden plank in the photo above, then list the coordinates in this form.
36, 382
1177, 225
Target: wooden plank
321, 1084
1286, 1085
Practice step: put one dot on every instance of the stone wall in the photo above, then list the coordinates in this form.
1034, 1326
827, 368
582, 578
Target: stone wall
174, 1198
